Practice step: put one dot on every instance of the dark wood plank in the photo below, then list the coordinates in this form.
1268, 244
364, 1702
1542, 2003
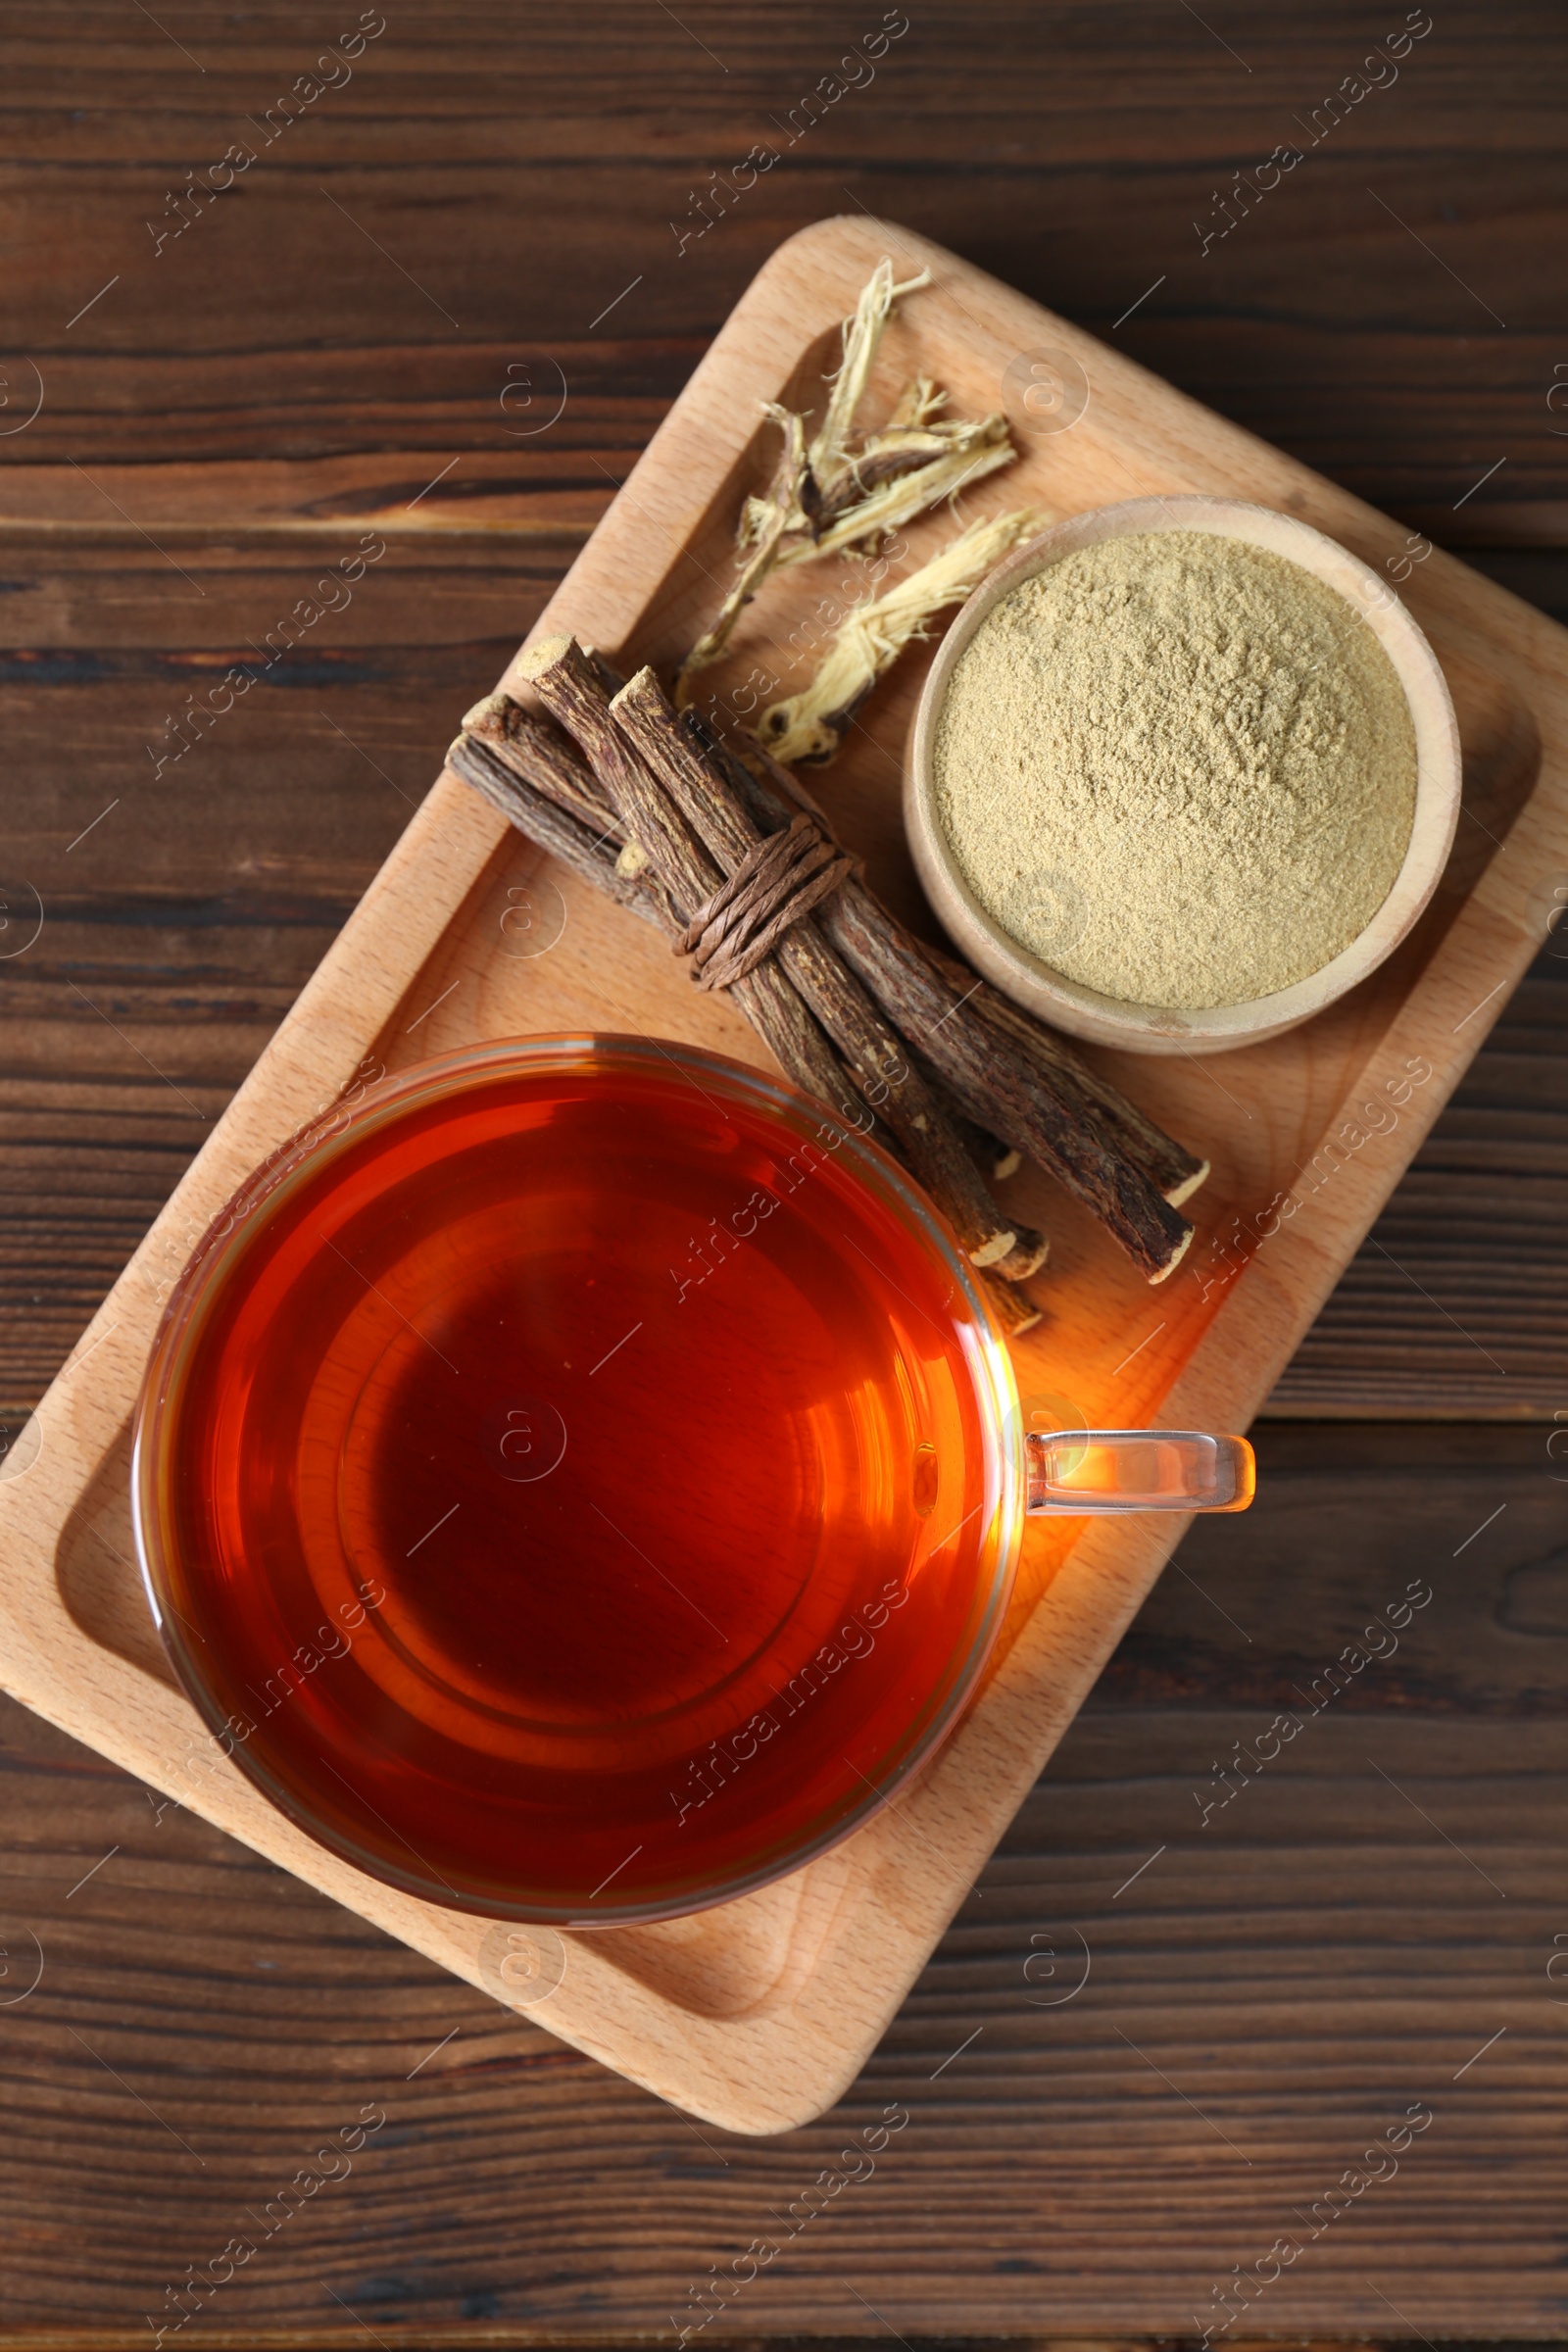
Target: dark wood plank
183, 911
1265, 1994
1456, 1305
516, 188
254, 397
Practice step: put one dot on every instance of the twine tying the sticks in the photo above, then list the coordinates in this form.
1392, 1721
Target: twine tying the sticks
781, 879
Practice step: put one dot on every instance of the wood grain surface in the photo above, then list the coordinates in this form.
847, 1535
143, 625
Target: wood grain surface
254, 396
758, 2014
1271, 1992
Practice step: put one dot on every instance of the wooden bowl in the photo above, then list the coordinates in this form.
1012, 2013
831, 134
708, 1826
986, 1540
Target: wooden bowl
1152, 1028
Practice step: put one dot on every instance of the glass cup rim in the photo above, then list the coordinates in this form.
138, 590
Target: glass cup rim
329, 1133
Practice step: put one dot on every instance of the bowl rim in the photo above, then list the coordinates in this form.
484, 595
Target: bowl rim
1156, 1029
229, 1239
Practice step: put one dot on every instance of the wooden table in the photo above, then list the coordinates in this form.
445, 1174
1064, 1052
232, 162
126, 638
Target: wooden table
1151, 2045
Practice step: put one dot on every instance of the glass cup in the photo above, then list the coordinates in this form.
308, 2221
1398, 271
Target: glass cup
582, 1480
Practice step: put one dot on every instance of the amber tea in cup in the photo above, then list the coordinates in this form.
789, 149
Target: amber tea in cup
584, 1480
581, 1483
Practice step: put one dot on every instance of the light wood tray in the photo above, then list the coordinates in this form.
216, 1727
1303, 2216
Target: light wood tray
757, 2015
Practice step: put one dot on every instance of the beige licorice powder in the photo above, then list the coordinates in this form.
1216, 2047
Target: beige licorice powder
1178, 768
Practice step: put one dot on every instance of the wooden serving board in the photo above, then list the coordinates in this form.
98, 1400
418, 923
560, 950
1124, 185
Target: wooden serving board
758, 2014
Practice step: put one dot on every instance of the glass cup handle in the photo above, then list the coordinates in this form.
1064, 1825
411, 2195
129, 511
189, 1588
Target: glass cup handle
1091, 1470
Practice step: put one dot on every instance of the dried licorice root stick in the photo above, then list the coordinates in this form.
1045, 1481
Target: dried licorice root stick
1011, 1306
541, 760
525, 768
539, 817
995, 1073
526, 776
873, 1052
655, 836
998, 1160
537, 757
877, 1055
551, 761
989, 1071
1010, 1042
1169, 1166
531, 770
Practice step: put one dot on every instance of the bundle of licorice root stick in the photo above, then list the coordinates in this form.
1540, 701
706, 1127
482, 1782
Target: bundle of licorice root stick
721, 849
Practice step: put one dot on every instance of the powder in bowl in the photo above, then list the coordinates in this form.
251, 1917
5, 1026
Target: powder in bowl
1178, 768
